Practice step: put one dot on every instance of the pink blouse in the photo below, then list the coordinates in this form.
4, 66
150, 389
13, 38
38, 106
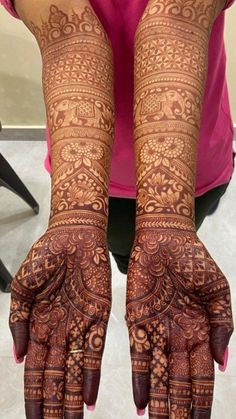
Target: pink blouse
215, 151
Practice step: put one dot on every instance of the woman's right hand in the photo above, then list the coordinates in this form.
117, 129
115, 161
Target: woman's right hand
60, 306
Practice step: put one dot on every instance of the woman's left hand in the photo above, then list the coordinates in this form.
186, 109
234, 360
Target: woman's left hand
179, 318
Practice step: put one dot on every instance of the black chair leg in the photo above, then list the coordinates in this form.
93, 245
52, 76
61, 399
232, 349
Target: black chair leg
5, 278
11, 181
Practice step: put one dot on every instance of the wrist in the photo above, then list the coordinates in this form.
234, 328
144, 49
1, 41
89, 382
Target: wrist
78, 218
164, 222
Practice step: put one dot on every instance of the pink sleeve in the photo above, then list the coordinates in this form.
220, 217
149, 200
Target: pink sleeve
8, 4
228, 4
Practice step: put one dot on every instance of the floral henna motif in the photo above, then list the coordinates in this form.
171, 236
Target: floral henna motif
78, 91
178, 301
60, 300
177, 297
63, 289
171, 44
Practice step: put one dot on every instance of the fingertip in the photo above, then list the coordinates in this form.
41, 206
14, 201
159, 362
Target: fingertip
141, 386
20, 334
91, 408
140, 412
219, 341
18, 360
90, 387
223, 366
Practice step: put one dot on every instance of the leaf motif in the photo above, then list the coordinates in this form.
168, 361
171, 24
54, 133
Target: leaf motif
96, 259
87, 161
78, 163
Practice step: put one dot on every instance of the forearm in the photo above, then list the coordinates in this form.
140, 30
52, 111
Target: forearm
169, 89
80, 114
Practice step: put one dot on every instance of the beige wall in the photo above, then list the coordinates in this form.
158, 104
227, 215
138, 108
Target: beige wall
21, 101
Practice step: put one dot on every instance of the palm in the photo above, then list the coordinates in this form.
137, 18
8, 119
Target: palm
61, 297
178, 306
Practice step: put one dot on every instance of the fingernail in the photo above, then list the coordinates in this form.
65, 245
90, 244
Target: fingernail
223, 367
18, 360
140, 412
91, 408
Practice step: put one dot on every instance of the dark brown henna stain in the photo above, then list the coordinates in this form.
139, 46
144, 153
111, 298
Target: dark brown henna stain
68, 319
169, 86
177, 297
61, 295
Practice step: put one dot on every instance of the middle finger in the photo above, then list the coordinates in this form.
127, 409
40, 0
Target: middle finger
180, 385
73, 402
33, 379
53, 385
158, 401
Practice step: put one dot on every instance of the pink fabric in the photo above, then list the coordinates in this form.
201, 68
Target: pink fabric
8, 4
215, 161
228, 4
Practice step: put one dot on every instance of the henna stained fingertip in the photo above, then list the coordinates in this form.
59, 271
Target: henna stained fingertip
223, 367
18, 360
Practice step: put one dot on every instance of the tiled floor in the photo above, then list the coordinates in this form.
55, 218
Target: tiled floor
18, 230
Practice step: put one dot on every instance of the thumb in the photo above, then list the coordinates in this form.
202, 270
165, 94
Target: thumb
216, 296
20, 334
220, 336
21, 300
93, 351
140, 350
221, 321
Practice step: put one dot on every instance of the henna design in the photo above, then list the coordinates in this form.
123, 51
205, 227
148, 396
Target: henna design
78, 91
177, 297
178, 301
61, 296
171, 44
63, 290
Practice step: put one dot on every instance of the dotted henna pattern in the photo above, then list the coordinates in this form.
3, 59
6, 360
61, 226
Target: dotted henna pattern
61, 295
178, 301
63, 289
78, 91
176, 297
171, 43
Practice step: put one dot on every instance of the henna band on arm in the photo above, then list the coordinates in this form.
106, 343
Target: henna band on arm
178, 301
78, 92
61, 295
171, 55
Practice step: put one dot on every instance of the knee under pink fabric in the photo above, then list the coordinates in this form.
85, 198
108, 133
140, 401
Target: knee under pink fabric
215, 161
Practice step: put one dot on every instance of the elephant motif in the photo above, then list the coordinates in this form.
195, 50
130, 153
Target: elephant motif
75, 112
158, 105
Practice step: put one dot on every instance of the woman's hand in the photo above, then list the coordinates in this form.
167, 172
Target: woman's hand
180, 319
60, 305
